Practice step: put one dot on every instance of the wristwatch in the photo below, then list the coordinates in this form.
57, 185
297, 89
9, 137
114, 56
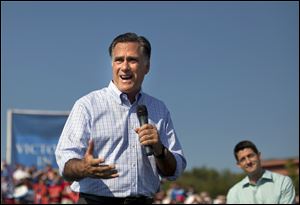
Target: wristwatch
162, 155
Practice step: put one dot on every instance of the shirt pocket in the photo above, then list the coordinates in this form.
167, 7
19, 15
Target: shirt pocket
109, 138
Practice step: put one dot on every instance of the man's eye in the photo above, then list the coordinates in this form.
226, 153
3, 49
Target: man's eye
132, 60
252, 155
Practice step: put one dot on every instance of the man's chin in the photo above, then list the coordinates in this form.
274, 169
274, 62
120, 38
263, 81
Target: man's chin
129, 92
125, 88
251, 170
126, 91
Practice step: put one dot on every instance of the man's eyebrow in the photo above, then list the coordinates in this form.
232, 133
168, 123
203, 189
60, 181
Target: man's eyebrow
127, 58
132, 58
118, 57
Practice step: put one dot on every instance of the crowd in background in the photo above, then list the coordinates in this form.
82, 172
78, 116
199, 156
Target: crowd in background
177, 194
28, 185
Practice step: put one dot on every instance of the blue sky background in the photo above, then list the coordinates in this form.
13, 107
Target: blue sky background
227, 71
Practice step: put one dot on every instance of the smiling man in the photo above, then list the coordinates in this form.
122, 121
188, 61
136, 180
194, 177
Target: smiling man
102, 146
260, 186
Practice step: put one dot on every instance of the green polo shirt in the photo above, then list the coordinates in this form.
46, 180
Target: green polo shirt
271, 188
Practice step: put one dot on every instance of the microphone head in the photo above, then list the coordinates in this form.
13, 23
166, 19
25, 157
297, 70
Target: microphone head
141, 110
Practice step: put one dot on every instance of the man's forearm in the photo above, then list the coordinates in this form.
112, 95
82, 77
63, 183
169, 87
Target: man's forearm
167, 165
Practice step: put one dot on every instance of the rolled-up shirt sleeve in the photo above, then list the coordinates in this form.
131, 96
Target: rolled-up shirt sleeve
171, 141
288, 191
74, 138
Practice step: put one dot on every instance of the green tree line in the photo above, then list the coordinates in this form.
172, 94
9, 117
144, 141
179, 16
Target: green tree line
293, 171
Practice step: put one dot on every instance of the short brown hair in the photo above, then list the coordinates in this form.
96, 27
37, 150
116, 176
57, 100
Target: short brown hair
242, 145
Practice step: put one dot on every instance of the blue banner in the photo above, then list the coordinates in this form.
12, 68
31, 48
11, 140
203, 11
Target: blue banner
34, 136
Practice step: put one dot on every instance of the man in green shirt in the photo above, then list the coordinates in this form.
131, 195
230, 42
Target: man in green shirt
259, 186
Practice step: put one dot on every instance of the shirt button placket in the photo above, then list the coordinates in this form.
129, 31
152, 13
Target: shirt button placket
132, 147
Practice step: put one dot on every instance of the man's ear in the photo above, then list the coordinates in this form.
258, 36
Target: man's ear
259, 155
147, 68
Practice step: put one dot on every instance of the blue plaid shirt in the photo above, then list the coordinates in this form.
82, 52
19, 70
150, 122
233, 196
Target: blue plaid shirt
108, 117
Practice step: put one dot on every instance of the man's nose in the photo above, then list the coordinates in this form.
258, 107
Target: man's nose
247, 160
125, 65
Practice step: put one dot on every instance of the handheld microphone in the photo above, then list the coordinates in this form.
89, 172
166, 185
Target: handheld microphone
142, 114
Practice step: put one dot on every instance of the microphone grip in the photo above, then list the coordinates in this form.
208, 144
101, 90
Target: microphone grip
148, 148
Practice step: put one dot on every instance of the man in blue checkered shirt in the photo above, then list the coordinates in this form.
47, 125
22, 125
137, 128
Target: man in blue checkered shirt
102, 146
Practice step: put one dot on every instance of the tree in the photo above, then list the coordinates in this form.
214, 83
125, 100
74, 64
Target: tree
207, 179
292, 170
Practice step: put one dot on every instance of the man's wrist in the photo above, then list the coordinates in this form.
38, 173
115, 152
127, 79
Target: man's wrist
162, 155
74, 170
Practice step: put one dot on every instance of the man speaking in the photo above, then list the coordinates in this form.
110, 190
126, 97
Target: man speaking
107, 147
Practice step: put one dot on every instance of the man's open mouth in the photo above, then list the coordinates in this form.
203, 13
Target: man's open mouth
125, 77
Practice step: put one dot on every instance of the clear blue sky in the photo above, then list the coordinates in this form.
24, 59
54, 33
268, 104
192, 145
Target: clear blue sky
227, 71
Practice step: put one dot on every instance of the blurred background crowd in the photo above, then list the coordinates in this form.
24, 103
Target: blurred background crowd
28, 185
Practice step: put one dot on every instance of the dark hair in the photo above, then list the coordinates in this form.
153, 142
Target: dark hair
242, 145
132, 37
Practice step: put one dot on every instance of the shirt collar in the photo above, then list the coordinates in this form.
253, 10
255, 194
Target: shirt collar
267, 176
121, 97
